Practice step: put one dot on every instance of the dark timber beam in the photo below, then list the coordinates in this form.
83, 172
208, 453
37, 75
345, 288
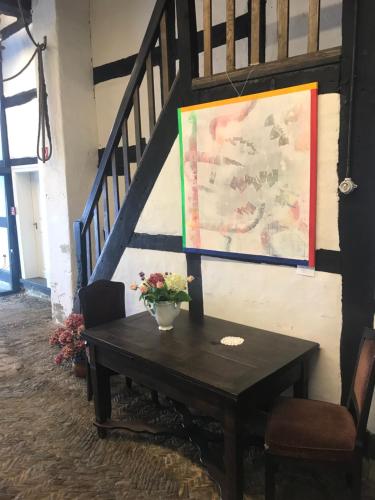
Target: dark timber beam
356, 221
15, 267
10, 8
275, 68
13, 28
21, 98
16, 162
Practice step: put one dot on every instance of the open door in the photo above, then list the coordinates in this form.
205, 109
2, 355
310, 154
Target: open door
9, 260
30, 225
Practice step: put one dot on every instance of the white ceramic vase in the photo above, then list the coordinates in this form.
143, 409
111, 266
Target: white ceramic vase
164, 313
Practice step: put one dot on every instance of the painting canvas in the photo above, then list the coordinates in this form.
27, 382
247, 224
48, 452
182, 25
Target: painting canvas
248, 176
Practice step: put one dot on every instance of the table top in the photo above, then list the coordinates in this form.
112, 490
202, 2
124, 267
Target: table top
193, 350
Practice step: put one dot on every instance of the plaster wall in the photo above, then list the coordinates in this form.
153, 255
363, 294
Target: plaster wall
69, 174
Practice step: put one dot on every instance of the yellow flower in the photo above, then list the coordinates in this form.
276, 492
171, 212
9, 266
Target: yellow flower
175, 282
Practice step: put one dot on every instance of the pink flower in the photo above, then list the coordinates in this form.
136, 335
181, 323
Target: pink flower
190, 279
67, 352
59, 359
143, 289
81, 344
73, 321
154, 278
54, 339
133, 286
81, 329
159, 284
66, 337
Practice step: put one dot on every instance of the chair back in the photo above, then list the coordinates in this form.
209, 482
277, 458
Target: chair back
363, 382
101, 302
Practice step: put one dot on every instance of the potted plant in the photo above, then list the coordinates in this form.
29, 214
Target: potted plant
162, 294
72, 347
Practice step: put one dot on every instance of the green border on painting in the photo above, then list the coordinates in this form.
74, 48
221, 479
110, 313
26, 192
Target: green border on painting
182, 176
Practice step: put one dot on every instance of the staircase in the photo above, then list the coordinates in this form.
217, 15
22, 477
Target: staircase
109, 218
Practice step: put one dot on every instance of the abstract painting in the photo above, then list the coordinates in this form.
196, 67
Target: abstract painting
248, 176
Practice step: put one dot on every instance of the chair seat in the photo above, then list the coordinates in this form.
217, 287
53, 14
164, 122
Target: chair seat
308, 429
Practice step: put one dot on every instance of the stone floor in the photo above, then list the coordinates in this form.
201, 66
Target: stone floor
4, 287
50, 450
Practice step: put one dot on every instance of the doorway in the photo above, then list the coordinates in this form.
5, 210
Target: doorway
5, 279
9, 258
30, 226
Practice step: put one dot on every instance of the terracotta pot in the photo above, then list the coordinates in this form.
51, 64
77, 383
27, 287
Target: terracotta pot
79, 369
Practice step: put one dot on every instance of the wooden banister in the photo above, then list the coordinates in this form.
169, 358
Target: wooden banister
138, 72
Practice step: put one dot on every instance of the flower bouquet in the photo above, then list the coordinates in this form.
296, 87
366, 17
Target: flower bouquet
162, 294
68, 338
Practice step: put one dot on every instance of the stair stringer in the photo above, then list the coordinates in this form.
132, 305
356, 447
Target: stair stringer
153, 159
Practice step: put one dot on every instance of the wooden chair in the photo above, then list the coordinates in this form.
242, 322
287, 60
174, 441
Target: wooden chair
301, 430
101, 302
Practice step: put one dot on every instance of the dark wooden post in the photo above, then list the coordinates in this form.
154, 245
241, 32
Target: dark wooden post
356, 220
14, 258
188, 55
187, 41
80, 254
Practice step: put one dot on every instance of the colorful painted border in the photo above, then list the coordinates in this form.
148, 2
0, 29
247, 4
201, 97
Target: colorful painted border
313, 87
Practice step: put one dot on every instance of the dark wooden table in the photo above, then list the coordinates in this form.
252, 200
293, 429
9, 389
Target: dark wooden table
192, 367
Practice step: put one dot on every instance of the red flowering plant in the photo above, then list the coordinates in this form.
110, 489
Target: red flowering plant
68, 337
163, 287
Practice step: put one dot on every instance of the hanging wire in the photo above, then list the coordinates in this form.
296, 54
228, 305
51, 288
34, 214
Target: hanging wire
44, 148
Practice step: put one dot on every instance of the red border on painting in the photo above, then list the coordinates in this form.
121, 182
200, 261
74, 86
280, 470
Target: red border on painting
313, 175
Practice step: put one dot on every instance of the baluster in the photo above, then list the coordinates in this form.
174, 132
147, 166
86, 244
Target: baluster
97, 233
80, 254
107, 225
187, 40
207, 37
314, 21
167, 42
231, 53
88, 251
137, 126
125, 155
257, 38
164, 70
150, 93
116, 198
283, 28
171, 40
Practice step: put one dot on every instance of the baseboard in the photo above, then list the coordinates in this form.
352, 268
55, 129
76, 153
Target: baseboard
36, 288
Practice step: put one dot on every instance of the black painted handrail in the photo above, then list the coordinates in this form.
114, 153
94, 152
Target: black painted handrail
138, 72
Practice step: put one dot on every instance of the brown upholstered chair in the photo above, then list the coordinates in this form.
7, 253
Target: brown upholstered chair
324, 433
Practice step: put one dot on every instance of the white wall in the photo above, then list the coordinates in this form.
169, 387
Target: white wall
69, 175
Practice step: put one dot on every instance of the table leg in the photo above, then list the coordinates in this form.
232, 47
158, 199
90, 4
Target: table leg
301, 387
233, 458
101, 387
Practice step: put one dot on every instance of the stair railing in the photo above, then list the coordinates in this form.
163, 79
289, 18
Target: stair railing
102, 208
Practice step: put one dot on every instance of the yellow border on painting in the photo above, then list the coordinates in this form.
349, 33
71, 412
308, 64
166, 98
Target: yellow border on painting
250, 97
